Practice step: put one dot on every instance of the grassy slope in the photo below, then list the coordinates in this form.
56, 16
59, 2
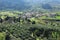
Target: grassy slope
2, 36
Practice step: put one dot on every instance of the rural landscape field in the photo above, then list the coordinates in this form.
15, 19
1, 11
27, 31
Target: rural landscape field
29, 19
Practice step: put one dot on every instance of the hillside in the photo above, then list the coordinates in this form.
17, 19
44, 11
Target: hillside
16, 25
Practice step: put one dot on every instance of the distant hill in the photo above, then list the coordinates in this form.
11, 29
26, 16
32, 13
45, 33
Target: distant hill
49, 5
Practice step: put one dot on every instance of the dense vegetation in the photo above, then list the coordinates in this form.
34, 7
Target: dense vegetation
15, 25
